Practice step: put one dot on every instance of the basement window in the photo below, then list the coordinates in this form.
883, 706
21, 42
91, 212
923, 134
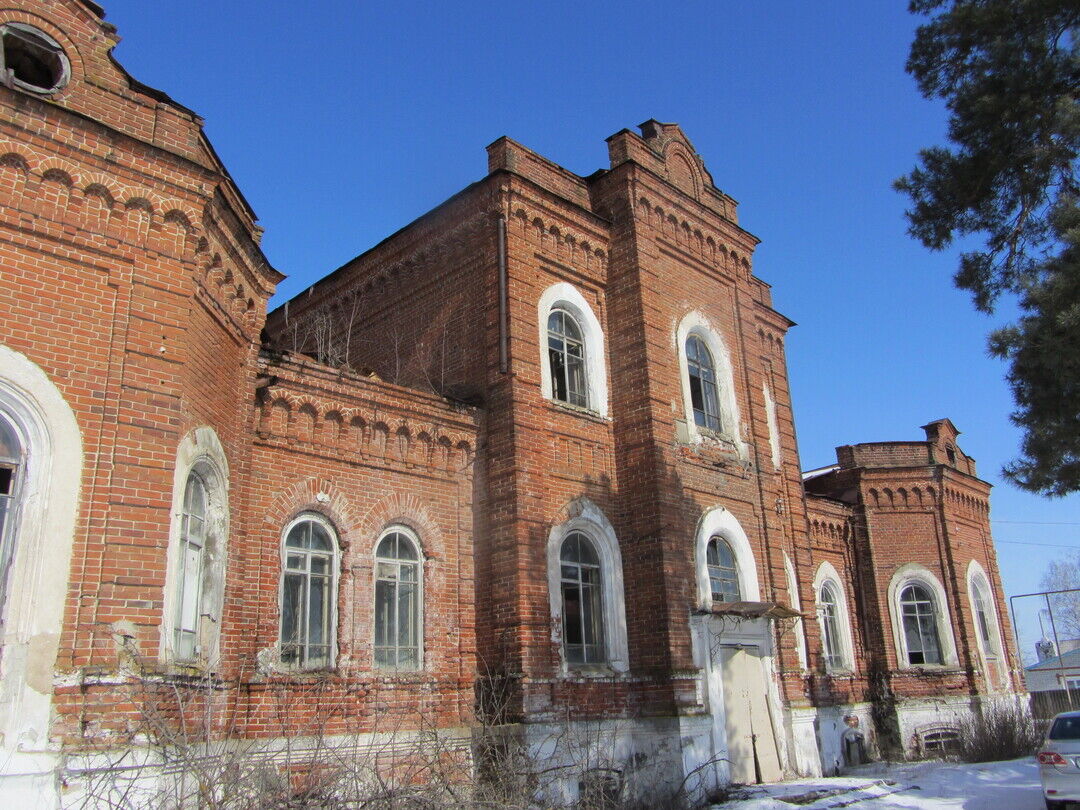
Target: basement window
32, 60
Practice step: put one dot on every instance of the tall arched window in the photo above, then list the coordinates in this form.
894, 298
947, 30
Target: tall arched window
11, 463
192, 548
566, 354
704, 396
397, 601
723, 571
982, 618
582, 601
829, 606
920, 625
307, 593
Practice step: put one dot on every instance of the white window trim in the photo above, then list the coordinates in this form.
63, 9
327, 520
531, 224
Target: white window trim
694, 323
421, 659
796, 604
335, 585
565, 296
41, 566
826, 573
201, 452
718, 521
977, 574
910, 574
592, 523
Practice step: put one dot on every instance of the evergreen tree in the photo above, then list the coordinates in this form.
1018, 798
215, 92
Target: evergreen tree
1009, 73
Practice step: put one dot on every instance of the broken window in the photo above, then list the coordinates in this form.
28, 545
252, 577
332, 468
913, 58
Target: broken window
32, 60
704, 395
566, 352
193, 536
582, 601
830, 627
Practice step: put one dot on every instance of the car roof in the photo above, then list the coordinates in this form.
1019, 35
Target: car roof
1075, 713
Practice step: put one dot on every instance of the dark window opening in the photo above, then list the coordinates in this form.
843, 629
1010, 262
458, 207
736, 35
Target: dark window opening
951, 454
7, 478
32, 59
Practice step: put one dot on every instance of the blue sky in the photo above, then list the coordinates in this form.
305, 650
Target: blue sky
344, 120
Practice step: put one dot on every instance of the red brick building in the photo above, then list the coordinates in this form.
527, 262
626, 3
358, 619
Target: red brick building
542, 437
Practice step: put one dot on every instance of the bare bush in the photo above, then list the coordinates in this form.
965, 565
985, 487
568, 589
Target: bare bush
1001, 730
185, 748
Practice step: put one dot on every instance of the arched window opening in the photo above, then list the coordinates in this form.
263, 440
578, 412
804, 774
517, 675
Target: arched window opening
704, 395
307, 594
723, 571
982, 618
830, 627
583, 620
11, 463
397, 602
192, 551
920, 625
566, 352
31, 59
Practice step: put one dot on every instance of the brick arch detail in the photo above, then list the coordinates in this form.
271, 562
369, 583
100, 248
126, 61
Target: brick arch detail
407, 510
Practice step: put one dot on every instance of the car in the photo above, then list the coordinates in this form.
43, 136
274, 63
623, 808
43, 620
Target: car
1059, 761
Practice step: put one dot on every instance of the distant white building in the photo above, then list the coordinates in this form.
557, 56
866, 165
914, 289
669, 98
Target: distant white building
1056, 672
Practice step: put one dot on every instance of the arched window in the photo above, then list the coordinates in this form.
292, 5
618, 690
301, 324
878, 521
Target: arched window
11, 464
582, 602
571, 342
397, 601
307, 593
31, 60
710, 407
982, 617
832, 646
723, 571
704, 396
566, 355
198, 539
920, 625
192, 548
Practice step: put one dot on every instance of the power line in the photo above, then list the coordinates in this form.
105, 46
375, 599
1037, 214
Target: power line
1040, 522
1030, 543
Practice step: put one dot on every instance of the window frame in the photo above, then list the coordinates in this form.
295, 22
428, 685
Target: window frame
200, 453
590, 521
702, 367
718, 521
718, 541
27, 34
566, 297
843, 663
919, 609
187, 580
991, 650
695, 324
573, 396
418, 603
331, 614
911, 573
590, 613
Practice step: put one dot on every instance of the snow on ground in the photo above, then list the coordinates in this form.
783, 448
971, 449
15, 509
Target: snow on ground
1012, 785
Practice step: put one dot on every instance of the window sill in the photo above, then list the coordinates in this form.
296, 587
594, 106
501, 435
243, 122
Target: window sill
930, 669
590, 672
585, 413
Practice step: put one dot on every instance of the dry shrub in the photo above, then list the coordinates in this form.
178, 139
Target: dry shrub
1002, 730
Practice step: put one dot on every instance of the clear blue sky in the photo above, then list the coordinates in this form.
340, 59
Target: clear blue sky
343, 120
